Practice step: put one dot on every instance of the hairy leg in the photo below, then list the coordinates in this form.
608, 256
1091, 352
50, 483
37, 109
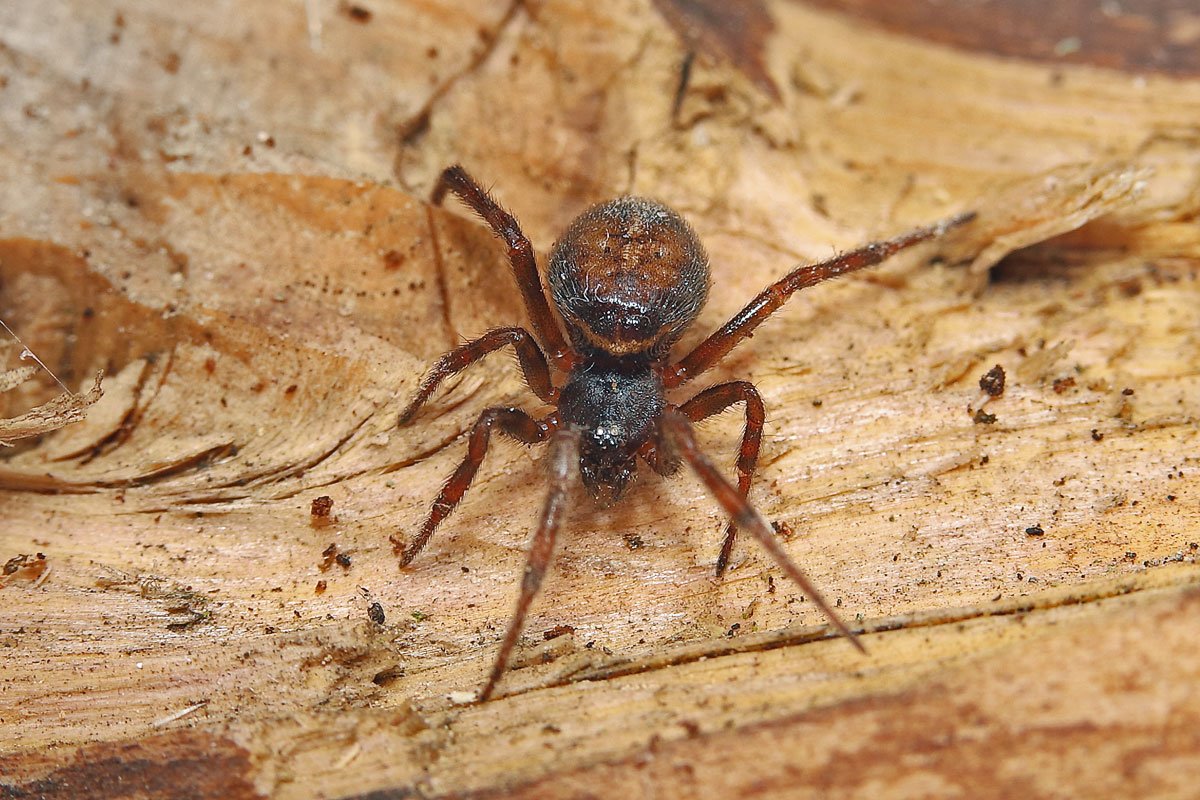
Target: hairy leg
511, 421
564, 452
682, 439
520, 255
533, 366
713, 401
729, 335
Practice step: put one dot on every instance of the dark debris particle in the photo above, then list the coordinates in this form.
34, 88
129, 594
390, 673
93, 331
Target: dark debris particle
387, 675
1034, 530
36, 564
1130, 287
556, 631
328, 555
992, 381
393, 259
375, 614
633, 541
321, 506
981, 417
1062, 384
320, 587
343, 560
1127, 392
818, 402
357, 13
1097, 436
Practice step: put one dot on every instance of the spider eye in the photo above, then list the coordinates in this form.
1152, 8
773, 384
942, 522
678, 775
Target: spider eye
608, 436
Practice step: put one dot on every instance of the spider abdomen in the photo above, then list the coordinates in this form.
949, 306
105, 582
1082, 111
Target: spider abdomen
614, 406
627, 277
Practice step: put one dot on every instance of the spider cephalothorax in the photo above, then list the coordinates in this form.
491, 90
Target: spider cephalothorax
615, 405
627, 277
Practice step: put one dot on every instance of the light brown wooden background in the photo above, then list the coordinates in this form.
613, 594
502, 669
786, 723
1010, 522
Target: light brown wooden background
222, 205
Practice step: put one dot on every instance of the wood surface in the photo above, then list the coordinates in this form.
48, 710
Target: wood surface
224, 208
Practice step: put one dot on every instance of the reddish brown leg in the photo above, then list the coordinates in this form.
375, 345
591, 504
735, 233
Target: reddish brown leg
512, 421
533, 366
718, 345
564, 450
682, 439
713, 401
520, 255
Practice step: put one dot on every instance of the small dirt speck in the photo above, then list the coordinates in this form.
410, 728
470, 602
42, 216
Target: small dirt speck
321, 506
356, 13
387, 675
556, 631
1061, 385
992, 381
981, 417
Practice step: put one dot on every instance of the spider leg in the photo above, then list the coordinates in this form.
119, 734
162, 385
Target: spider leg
533, 366
564, 449
729, 335
714, 400
520, 255
511, 421
680, 436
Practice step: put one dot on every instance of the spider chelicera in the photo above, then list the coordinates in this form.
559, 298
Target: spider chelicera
626, 279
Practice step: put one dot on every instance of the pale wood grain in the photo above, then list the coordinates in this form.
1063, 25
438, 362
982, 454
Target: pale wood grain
265, 303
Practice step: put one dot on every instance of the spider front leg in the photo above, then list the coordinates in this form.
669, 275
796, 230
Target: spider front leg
713, 401
533, 366
511, 421
718, 344
520, 255
564, 451
681, 439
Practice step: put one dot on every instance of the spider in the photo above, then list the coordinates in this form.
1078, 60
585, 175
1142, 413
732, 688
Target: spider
625, 279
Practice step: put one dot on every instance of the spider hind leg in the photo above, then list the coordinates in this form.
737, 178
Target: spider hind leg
713, 401
564, 448
677, 429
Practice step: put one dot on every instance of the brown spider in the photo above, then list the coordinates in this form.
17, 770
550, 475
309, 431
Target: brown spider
626, 278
